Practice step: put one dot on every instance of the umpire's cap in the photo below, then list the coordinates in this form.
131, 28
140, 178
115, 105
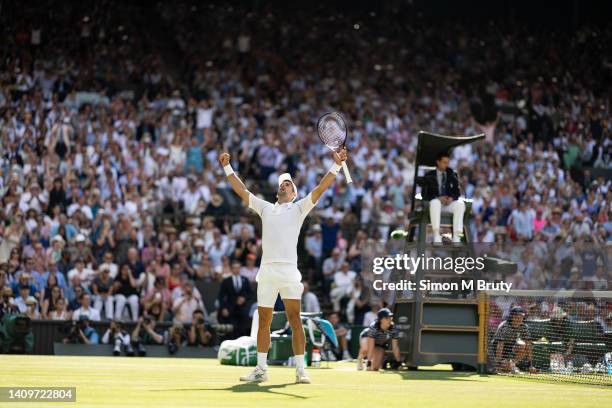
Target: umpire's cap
384, 312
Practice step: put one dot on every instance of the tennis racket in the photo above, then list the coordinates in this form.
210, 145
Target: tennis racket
333, 131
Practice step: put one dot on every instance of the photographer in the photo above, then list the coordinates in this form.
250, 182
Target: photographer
81, 332
176, 337
7, 303
119, 337
146, 333
187, 303
198, 335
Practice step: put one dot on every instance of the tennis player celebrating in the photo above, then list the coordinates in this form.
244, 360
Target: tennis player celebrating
278, 273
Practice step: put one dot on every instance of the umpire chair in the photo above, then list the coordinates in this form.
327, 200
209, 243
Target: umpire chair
436, 328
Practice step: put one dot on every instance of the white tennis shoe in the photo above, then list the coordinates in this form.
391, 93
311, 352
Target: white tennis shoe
257, 375
301, 377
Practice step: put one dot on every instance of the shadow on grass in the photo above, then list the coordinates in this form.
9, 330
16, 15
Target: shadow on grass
245, 387
436, 375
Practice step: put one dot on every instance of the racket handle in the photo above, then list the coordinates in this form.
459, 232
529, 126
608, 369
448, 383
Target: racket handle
346, 172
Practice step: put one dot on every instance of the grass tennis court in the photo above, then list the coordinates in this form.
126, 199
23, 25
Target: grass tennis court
165, 382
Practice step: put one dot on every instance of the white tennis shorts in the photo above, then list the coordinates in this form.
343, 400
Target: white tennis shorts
273, 279
267, 293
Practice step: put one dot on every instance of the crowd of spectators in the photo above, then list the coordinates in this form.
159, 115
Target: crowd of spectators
113, 205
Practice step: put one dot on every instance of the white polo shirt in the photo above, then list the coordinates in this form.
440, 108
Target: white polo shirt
281, 224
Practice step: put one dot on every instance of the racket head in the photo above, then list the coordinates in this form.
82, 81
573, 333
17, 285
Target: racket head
332, 130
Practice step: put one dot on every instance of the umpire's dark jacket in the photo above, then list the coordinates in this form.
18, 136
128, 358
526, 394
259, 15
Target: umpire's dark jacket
429, 185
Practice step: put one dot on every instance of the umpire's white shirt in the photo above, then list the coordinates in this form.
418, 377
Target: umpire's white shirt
281, 224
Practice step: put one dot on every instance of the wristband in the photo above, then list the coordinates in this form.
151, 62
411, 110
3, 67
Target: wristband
228, 170
335, 168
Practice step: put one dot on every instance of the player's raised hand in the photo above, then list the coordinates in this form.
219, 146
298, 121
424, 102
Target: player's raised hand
224, 159
340, 156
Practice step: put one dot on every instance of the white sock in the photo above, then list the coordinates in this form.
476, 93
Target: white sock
299, 361
262, 360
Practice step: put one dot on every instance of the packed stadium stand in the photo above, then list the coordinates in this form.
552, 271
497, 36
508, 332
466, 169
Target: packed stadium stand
113, 114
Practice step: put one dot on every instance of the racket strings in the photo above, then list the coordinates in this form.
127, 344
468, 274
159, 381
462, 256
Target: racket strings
332, 130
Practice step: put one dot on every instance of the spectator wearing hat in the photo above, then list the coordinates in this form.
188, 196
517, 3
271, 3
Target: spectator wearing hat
24, 297
81, 249
54, 252
198, 252
32, 310
24, 279
7, 302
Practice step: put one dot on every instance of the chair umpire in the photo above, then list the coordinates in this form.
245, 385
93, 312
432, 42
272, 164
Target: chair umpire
441, 188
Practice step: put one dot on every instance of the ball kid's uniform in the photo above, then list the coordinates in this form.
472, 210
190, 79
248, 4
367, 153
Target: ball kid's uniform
278, 272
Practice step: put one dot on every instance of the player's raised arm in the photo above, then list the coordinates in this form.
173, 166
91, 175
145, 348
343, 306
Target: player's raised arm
237, 184
329, 178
